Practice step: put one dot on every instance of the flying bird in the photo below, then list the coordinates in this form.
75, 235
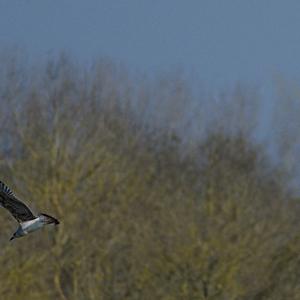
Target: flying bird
28, 222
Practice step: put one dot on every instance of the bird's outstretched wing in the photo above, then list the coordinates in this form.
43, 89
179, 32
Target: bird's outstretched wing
17, 208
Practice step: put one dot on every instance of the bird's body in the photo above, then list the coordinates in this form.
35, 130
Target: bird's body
28, 222
32, 225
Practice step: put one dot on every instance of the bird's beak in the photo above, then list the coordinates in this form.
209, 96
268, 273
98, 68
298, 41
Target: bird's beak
11, 238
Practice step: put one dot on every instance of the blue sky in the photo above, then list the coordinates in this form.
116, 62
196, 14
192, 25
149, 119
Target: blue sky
220, 41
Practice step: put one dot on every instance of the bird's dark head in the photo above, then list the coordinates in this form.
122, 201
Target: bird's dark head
17, 234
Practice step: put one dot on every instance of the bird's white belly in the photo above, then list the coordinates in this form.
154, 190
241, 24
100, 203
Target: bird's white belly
31, 225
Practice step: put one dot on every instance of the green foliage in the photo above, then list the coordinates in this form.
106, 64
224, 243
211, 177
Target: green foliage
139, 219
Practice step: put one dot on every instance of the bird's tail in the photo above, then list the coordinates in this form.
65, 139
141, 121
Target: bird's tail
48, 219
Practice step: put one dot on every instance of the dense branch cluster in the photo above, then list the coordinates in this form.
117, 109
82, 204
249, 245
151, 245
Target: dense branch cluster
147, 211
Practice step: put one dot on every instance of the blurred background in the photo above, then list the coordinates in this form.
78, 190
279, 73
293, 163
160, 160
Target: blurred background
164, 135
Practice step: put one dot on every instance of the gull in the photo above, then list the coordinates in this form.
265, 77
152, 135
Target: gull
28, 222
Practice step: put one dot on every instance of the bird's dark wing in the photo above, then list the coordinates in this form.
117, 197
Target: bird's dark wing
17, 208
